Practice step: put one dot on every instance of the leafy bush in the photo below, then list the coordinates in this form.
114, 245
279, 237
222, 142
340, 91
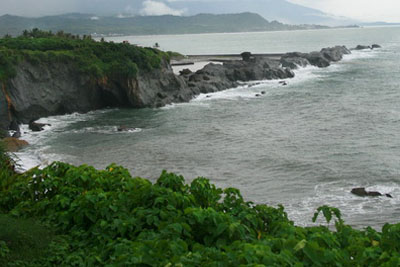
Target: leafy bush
109, 218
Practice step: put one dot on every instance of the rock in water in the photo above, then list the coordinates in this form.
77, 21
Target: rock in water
374, 46
14, 144
14, 126
37, 127
362, 47
360, 191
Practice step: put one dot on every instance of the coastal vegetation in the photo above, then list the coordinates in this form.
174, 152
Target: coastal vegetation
97, 59
79, 216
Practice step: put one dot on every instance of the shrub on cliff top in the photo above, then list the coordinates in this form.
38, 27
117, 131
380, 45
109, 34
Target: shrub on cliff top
109, 218
94, 58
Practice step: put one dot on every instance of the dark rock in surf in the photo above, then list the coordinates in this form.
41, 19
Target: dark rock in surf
37, 127
14, 126
361, 47
16, 134
335, 53
294, 62
374, 46
364, 193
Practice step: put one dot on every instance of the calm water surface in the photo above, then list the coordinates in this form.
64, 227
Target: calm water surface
302, 145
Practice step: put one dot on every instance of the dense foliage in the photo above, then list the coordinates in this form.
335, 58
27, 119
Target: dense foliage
98, 59
109, 218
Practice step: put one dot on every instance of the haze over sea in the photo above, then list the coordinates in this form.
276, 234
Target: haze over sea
302, 145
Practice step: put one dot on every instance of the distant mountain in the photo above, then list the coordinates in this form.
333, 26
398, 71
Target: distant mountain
279, 10
145, 25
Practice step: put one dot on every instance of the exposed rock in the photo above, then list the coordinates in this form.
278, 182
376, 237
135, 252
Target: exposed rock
318, 59
363, 193
335, 53
124, 128
374, 46
14, 144
185, 72
37, 127
16, 134
294, 62
14, 126
263, 92
258, 95
246, 56
361, 47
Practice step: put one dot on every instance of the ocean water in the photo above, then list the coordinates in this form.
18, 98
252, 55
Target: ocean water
302, 145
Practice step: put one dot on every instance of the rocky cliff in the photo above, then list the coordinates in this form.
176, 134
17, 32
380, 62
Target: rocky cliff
53, 88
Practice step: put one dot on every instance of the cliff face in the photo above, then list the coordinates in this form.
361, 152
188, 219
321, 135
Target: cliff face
58, 88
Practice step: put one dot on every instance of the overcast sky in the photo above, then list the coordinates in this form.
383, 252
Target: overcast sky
369, 10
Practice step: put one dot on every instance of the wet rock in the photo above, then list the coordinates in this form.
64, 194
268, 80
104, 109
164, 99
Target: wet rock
16, 134
14, 144
185, 72
360, 191
246, 56
37, 127
14, 126
374, 46
294, 62
361, 47
317, 59
335, 53
258, 95
263, 92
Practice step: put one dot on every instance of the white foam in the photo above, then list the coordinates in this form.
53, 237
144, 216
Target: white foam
36, 154
107, 130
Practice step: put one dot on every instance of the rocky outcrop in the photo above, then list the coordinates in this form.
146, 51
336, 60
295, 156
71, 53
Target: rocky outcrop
362, 47
53, 88
319, 59
361, 192
58, 88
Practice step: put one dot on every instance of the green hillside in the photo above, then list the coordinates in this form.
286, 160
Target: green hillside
145, 25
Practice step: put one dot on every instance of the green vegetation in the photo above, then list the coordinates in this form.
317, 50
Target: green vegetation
108, 218
98, 59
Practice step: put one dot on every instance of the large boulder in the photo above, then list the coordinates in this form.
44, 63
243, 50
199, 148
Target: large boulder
335, 53
361, 47
317, 59
361, 192
37, 127
14, 144
246, 56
